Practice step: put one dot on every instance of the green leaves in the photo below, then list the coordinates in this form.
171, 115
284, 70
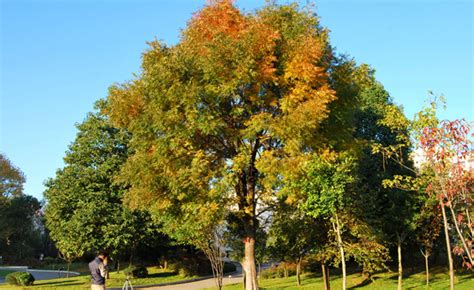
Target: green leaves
84, 210
325, 185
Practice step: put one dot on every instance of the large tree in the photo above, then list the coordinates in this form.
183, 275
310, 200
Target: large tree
383, 132
225, 115
84, 210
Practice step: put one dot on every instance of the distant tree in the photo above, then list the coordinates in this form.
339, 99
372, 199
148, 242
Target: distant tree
383, 132
84, 210
446, 147
292, 236
11, 179
428, 228
325, 187
19, 237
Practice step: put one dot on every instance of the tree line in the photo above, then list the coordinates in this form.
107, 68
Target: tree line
254, 133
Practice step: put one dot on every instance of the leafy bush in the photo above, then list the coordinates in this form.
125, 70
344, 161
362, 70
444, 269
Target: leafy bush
11, 278
25, 279
20, 279
136, 271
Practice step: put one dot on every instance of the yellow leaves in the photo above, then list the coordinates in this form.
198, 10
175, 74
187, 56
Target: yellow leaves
302, 66
304, 113
126, 103
396, 121
257, 123
403, 182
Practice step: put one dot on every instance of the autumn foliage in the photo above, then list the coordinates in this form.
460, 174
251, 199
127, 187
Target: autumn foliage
448, 151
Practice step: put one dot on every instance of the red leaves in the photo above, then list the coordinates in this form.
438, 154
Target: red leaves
446, 148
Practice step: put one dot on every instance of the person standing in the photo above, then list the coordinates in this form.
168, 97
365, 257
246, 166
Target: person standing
98, 269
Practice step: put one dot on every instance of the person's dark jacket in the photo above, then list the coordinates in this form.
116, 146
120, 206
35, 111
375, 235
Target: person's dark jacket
98, 271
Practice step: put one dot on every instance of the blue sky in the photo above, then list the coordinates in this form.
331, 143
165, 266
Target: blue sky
59, 57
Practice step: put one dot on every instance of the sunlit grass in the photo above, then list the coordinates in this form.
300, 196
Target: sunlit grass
385, 281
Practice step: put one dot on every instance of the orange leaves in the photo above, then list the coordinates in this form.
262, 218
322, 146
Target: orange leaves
220, 18
308, 90
230, 45
125, 103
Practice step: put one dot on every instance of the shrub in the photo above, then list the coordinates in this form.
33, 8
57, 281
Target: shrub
11, 278
136, 271
25, 279
20, 279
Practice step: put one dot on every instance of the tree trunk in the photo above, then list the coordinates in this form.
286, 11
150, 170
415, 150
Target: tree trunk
337, 229
448, 247
400, 265
118, 266
285, 270
248, 264
68, 267
298, 271
427, 269
325, 273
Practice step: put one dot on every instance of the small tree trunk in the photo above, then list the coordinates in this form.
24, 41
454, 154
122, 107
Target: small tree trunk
325, 273
298, 271
427, 269
68, 267
285, 270
118, 266
400, 265
448, 247
251, 282
337, 229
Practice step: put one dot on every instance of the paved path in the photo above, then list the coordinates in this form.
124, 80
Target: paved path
206, 283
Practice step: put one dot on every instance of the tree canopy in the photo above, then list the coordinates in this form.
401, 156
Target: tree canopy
225, 117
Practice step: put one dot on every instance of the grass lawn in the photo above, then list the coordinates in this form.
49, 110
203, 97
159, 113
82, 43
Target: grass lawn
156, 275
385, 281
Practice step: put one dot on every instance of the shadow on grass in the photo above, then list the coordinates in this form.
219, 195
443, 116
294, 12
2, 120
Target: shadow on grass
364, 283
161, 275
61, 283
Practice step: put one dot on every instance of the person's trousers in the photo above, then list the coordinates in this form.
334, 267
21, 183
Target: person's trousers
97, 287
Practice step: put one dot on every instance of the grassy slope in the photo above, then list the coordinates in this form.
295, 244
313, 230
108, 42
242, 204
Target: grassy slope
385, 281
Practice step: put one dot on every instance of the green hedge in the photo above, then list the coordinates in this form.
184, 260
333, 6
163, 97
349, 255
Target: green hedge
20, 279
